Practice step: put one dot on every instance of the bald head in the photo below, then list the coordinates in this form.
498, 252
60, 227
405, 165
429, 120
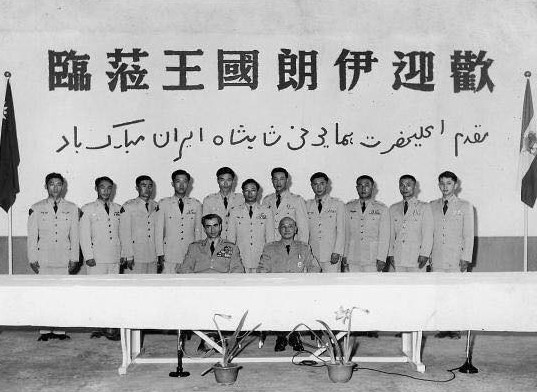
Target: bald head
287, 228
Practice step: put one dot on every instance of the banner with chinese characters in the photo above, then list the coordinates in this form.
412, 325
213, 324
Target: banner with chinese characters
343, 87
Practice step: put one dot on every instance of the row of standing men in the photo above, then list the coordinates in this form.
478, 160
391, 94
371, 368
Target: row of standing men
144, 236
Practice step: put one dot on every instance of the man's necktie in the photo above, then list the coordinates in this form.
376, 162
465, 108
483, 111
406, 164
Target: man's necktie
212, 247
363, 207
278, 200
444, 209
320, 206
107, 209
181, 205
225, 203
288, 247
147, 207
405, 208
251, 212
55, 207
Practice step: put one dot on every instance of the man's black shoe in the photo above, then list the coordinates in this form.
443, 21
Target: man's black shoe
454, 334
442, 334
281, 343
372, 334
62, 337
45, 337
96, 334
294, 341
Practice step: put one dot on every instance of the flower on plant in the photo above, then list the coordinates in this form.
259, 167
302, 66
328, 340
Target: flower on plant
346, 314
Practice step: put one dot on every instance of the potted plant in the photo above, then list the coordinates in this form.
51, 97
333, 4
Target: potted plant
340, 367
224, 371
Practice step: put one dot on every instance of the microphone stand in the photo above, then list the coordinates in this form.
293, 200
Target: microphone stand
467, 367
179, 371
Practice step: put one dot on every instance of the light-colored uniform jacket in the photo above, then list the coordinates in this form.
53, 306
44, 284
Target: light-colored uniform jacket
175, 231
453, 233
53, 237
214, 204
137, 230
411, 235
293, 206
225, 259
327, 228
99, 232
251, 234
367, 234
299, 259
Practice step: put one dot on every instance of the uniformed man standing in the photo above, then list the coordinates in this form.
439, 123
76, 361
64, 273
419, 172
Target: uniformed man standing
288, 255
411, 229
99, 231
178, 224
99, 239
326, 218
283, 203
251, 226
137, 230
367, 230
223, 202
53, 238
453, 240
214, 254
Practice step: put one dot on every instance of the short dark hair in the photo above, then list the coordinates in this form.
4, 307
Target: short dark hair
250, 181
225, 170
279, 170
448, 174
141, 178
98, 181
207, 217
50, 176
180, 172
319, 175
407, 177
365, 177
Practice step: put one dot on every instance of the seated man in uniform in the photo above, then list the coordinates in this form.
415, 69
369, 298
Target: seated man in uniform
211, 255
288, 255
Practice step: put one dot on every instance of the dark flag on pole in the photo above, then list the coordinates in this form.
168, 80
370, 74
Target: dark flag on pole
9, 154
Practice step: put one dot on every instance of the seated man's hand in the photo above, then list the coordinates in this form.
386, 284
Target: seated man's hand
464, 265
130, 264
72, 267
160, 264
344, 265
334, 259
91, 263
422, 260
381, 265
35, 267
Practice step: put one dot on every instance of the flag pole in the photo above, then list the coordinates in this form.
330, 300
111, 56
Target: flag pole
525, 237
7, 74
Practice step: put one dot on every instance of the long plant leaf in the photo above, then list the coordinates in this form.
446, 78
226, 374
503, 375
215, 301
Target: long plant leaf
233, 351
319, 339
333, 339
233, 339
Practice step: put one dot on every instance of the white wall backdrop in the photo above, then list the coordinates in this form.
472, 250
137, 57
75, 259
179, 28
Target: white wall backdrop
374, 112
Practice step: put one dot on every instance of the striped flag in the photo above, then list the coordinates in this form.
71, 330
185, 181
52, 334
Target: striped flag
9, 154
527, 164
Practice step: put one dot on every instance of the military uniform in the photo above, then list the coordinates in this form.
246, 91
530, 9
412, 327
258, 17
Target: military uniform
251, 233
367, 235
137, 234
453, 234
176, 230
327, 230
225, 259
411, 234
299, 259
214, 204
293, 206
99, 237
53, 236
